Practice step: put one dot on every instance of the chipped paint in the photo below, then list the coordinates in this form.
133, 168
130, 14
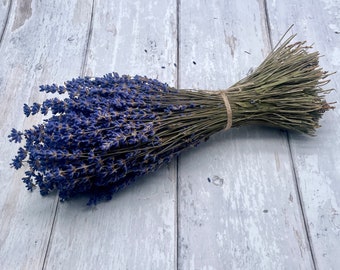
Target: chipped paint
23, 12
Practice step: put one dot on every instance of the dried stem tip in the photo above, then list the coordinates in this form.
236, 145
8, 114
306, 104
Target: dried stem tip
284, 91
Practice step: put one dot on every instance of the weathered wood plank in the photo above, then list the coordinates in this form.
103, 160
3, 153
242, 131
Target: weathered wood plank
316, 160
136, 230
248, 220
247, 216
37, 48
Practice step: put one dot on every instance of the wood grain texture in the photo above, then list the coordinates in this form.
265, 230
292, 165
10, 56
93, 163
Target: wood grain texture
316, 160
35, 50
136, 230
238, 206
247, 199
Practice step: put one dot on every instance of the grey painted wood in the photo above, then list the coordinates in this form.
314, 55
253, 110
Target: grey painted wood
35, 49
248, 216
316, 160
238, 206
136, 230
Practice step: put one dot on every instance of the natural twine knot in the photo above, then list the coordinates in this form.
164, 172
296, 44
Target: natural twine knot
228, 107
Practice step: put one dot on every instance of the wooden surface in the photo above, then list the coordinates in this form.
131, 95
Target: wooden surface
273, 199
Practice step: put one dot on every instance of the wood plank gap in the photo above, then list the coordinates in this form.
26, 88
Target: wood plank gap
178, 64
176, 218
88, 40
301, 208
267, 24
3, 31
48, 248
176, 246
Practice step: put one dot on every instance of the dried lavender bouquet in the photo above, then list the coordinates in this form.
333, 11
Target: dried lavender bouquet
112, 129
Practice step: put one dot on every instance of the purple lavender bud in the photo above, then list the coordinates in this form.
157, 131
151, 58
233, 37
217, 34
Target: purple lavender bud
100, 138
27, 110
35, 108
15, 136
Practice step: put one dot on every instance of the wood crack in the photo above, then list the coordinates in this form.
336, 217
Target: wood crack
176, 225
48, 248
301, 204
88, 40
267, 24
3, 31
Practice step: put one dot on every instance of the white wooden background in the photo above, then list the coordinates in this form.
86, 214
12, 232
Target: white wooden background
273, 201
